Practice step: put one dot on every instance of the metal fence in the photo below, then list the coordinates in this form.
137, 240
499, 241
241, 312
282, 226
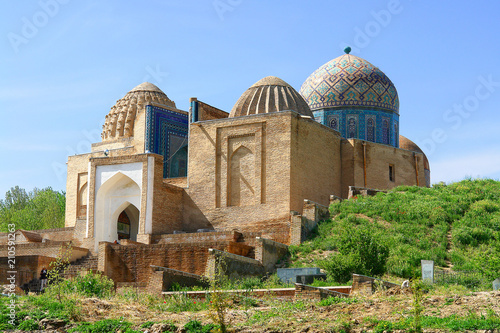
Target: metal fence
466, 278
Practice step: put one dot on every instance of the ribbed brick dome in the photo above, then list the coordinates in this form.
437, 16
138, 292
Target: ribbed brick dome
270, 94
119, 122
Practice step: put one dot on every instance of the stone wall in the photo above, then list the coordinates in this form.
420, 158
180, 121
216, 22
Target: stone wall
317, 293
367, 285
162, 279
302, 225
232, 265
269, 252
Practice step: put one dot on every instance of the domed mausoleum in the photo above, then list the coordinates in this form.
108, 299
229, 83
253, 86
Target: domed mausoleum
119, 123
352, 96
167, 192
270, 94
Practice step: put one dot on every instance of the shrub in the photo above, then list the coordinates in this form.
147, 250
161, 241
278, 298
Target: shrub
28, 325
359, 252
195, 326
91, 285
104, 326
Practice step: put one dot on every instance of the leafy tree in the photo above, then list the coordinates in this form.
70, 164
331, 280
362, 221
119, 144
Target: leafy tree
38, 209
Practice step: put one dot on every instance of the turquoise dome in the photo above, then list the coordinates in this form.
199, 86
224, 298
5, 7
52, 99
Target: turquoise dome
350, 81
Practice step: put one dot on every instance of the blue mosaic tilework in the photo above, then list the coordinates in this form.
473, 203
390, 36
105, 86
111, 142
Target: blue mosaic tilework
342, 116
161, 125
349, 81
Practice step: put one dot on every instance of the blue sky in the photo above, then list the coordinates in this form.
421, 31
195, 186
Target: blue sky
64, 63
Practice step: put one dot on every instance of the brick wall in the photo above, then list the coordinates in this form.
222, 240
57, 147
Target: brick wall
132, 263
378, 157
210, 189
315, 165
47, 249
208, 112
318, 293
27, 268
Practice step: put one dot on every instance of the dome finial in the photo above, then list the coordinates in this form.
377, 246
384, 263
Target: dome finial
347, 50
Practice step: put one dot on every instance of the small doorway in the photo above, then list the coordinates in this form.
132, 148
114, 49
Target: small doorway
127, 223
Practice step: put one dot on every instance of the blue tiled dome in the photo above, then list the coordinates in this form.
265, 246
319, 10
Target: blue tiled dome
349, 81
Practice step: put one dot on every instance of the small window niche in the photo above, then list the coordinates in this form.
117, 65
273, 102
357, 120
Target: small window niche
392, 173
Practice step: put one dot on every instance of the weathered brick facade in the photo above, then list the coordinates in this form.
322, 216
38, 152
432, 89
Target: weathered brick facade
256, 180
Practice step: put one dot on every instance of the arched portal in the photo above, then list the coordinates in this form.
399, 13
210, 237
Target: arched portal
127, 224
119, 193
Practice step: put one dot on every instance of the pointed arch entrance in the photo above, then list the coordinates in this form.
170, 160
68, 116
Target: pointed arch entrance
119, 194
127, 224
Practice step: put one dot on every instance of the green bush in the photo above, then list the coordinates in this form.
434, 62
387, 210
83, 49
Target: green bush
195, 326
336, 300
359, 252
399, 228
28, 325
91, 285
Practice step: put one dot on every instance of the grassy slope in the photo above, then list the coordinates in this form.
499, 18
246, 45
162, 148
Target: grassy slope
456, 225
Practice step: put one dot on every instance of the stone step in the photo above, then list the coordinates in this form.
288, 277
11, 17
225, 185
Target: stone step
83, 264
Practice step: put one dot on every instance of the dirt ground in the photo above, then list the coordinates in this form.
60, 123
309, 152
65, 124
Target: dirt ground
283, 316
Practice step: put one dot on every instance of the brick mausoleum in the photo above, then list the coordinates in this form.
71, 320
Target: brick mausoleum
179, 188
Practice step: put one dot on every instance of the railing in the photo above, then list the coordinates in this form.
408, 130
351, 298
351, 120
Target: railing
466, 278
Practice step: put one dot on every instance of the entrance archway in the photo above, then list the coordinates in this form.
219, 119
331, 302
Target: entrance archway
118, 194
127, 224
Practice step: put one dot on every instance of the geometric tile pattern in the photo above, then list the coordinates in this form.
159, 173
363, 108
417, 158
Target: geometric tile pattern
163, 129
368, 122
349, 81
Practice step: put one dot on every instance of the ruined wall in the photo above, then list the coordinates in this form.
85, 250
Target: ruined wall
269, 252
132, 263
27, 268
233, 266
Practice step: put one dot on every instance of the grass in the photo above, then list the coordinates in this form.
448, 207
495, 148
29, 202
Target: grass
457, 224
453, 323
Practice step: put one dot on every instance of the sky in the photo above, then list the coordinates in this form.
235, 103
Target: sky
64, 63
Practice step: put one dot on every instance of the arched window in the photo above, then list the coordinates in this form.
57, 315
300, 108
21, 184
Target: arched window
396, 136
334, 124
370, 130
385, 131
351, 128
178, 163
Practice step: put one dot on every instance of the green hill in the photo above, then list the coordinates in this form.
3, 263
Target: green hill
456, 225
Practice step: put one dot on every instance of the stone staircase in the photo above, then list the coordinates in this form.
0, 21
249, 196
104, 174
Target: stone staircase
87, 263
